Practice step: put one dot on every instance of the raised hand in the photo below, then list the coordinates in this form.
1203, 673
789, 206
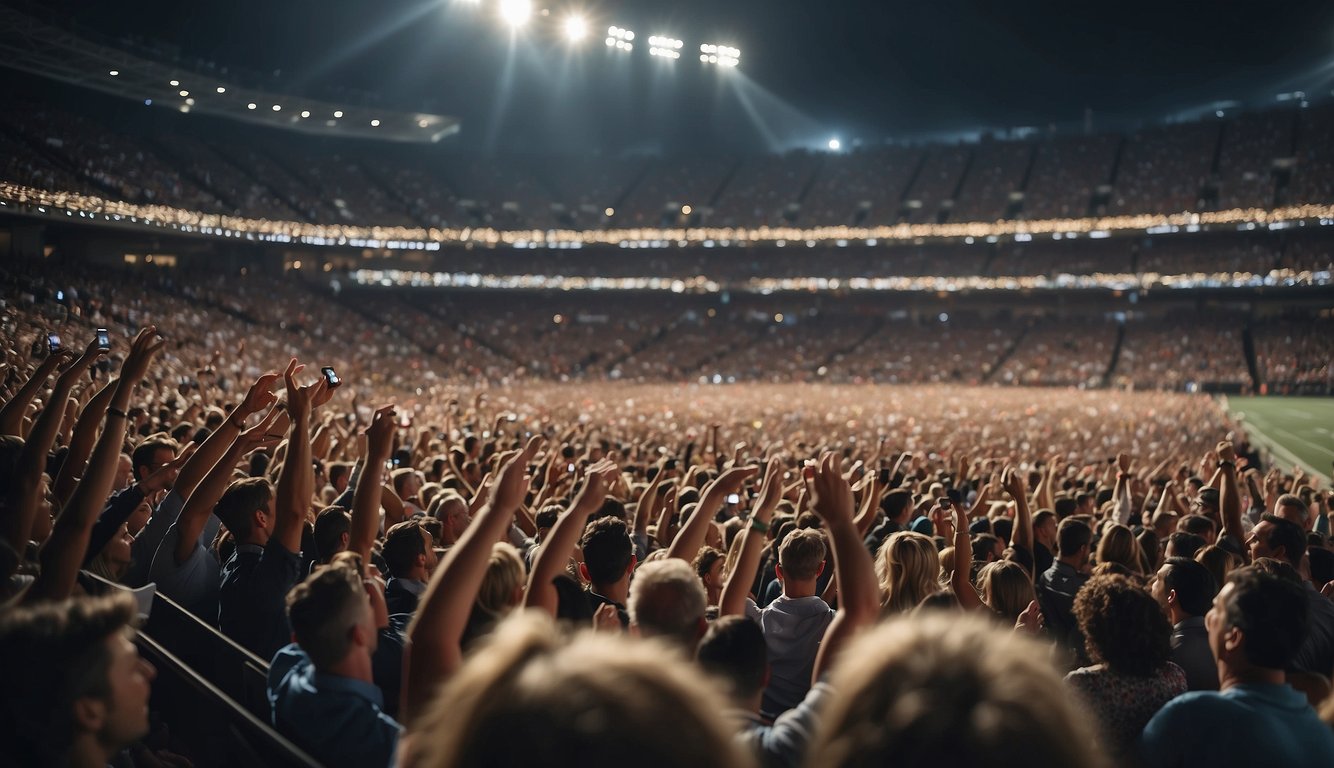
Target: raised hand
260, 396
831, 497
1013, 483
142, 351
511, 486
1226, 452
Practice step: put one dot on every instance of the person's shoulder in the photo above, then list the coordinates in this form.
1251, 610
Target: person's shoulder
290, 658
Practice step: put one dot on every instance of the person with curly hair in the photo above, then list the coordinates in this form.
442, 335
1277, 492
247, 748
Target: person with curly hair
1128, 638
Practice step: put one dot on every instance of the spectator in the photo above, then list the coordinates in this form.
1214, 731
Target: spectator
1185, 589
1256, 625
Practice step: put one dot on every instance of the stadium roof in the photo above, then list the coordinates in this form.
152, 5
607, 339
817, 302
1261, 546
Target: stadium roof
33, 46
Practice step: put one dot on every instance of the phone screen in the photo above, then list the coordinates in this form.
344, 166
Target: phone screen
734, 498
330, 377
53, 342
103, 339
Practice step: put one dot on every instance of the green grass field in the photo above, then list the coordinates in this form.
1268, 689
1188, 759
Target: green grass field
1296, 429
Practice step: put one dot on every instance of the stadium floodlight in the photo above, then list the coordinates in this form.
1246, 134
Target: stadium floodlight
175, 83
277, 107
338, 113
221, 89
835, 145
115, 73
620, 39
184, 94
576, 28
305, 113
375, 123
251, 105
516, 12
665, 47
722, 55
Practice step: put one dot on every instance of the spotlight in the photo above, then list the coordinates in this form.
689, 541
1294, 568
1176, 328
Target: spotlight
115, 72
305, 113
375, 123
685, 210
610, 212
338, 113
722, 55
576, 28
835, 145
221, 89
277, 108
185, 93
516, 12
175, 83
251, 105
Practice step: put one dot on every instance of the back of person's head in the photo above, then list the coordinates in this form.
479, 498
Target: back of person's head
1065, 506
1071, 535
1288, 535
1148, 547
53, 656
801, 554
984, 547
1006, 587
1003, 528
339, 470
547, 516
1118, 545
1183, 544
608, 550
590, 700
1194, 585
1219, 561
1271, 613
896, 503
403, 543
1044, 517
611, 507
236, 509
668, 600
331, 525
908, 569
945, 688
1197, 524
502, 584
327, 608
734, 651
1123, 626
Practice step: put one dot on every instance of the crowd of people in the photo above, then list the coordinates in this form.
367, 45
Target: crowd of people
1252, 160
794, 574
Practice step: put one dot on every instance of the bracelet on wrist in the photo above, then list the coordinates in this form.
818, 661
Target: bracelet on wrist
759, 525
117, 412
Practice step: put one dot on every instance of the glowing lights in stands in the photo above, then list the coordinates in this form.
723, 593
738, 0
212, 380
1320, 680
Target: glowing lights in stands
251, 105
722, 55
665, 47
375, 123
620, 39
185, 93
222, 89
175, 83
575, 28
277, 107
419, 238
516, 13
338, 113
114, 73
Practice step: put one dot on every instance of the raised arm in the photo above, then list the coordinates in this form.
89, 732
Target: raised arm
1122, 504
691, 536
1022, 536
733, 599
11, 415
81, 443
564, 535
435, 637
64, 550
1229, 499
199, 506
206, 456
24, 496
960, 580
858, 602
366, 496
296, 482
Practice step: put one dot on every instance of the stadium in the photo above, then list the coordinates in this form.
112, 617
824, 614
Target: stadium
592, 303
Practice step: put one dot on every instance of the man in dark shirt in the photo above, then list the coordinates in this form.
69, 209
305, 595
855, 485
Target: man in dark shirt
267, 527
409, 551
609, 559
897, 506
1284, 540
1185, 589
1044, 540
1058, 585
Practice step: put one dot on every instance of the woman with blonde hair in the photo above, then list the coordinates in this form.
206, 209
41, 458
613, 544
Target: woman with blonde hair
1119, 545
908, 568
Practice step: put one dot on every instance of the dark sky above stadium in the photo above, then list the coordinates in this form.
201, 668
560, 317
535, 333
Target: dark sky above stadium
862, 70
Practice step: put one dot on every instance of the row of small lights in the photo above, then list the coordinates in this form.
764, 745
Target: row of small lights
305, 113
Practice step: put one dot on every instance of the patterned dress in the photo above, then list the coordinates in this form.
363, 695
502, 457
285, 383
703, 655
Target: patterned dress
1122, 705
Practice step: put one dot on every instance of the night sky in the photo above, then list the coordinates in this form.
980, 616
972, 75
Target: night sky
810, 70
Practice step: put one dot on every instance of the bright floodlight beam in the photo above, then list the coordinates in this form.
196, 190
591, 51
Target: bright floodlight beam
516, 13
576, 28
835, 145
